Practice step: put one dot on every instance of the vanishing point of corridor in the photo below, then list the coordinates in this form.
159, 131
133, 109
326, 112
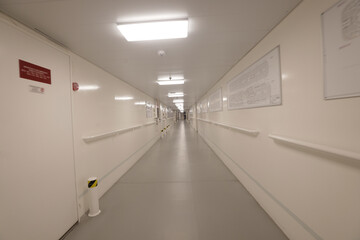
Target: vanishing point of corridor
179, 190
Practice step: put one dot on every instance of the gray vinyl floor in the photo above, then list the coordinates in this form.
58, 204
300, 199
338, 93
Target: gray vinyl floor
179, 190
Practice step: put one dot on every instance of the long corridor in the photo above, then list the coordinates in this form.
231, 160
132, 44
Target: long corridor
179, 190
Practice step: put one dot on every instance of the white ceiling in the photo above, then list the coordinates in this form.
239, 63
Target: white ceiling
220, 33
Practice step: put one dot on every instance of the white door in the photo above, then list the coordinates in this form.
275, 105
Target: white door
37, 182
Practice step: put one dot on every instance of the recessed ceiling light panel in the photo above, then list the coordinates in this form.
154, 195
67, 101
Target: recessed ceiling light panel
88, 87
176, 94
171, 82
166, 78
123, 98
145, 31
139, 103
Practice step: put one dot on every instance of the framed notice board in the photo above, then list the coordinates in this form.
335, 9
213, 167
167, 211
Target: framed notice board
215, 101
341, 49
259, 85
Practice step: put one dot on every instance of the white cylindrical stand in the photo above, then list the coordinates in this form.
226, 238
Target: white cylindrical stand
93, 197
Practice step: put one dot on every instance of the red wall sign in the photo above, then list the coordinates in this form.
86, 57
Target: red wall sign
75, 86
34, 72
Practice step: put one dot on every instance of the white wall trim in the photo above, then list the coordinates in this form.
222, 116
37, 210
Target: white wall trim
306, 227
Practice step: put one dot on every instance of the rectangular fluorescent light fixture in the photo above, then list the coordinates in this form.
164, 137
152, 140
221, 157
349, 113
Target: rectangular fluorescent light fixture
180, 105
88, 87
179, 77
178, 101
125, 98
171, 82
176, 94
156, 30
139, 103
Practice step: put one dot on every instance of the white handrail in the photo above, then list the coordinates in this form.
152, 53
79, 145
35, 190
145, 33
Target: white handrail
137, 126
113, 133
243, 130
148, 124
317, 147
203, 120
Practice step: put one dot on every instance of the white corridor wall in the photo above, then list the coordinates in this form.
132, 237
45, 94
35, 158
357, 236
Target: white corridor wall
37, 177
44, 160
310, 195
97, 112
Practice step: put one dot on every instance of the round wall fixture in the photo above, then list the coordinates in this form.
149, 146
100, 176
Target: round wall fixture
161, 53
